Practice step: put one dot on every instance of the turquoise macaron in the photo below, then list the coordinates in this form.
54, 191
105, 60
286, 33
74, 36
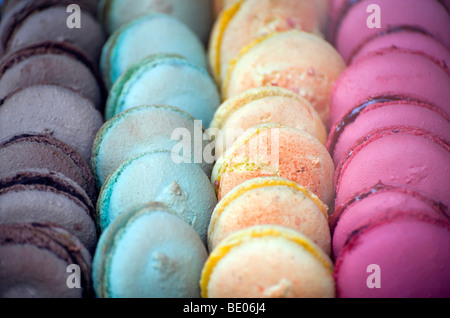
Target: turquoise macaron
148, 252
150, 34
142, 129
165, 79
155, 176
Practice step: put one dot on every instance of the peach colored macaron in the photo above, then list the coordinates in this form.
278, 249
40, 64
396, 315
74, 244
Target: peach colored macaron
276, 150
270, 200
294, 267
262, 105
243, 21
300, 61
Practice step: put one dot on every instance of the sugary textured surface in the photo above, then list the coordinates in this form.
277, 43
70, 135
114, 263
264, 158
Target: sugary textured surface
52, 110
387, 73
270, 200
293, 266
397, 157
147, 35
155, 176
196, 14
143, 129
416, 266
264, 105
165, 80
310, 66
385, 114
35, 258
275, 150
167, 256
381, 202
425, 15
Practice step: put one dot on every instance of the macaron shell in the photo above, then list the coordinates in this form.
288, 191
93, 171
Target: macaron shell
409, 157
388, 73
196, 14
426, 15
155, 176
310, 66
167, 256
238, 27
379, 204
69, 116
293, 266
384, 115
147, 35
274, 201
35, 258
264, 105
50, 63
132, 130
274, 150
22, 152
414, 267
165, 80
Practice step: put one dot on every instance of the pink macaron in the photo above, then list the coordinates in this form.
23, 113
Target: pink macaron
379, 201
384, 113
405, 255
391, 73
354, 25
402, 156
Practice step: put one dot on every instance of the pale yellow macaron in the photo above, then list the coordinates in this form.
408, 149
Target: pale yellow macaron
264, 105
271, 200
243, 21
299, 61
267, 261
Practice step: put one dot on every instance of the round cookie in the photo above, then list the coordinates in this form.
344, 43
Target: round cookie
128, 134
293, 266
154, 176
165, 79
270, 200
167, 256
35, 262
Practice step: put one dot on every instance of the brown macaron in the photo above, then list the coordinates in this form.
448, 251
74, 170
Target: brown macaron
43, 261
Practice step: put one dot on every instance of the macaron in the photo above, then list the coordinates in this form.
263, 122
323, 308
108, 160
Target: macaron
51, 63
38, 195
395, 157
34, 151
51, 110
300, 61
402, 256
165, 79
33, 22
154, 176
143, 129
150, 34
388, 74
219, 5
38, 260
148, 253
270, 200
236, 27
384, 113
267, 261
352, 27
379, 202
86, 5
275, 150
196, 14
406, 38
262, 105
